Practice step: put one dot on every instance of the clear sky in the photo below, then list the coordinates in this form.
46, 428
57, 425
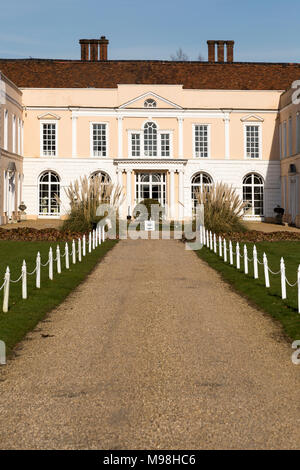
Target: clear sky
263, 30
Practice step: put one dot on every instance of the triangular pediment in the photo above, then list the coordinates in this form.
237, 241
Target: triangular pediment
139, 102
48, 116
252, 118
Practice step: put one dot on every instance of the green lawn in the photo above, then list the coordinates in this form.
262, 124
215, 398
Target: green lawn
23, 315
269, 300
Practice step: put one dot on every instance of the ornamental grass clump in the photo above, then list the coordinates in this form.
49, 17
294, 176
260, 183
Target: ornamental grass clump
223, 208
85, 196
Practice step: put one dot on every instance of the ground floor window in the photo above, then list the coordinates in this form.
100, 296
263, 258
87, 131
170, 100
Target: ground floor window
151, 186
49, 194
200, 181
104, 177
253, 194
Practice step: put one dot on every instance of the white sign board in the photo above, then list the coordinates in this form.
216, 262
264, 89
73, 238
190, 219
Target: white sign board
149, 225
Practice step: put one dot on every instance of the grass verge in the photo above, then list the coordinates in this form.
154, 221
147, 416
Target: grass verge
268, 300
24, 315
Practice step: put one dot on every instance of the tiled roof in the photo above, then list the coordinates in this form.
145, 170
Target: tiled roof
48, 73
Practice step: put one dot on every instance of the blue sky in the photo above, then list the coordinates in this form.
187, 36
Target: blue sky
151, 29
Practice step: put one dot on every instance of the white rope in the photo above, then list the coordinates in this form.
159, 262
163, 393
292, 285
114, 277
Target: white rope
17, 280
275, 274
3, 285
291, 285
30, 274
45, 264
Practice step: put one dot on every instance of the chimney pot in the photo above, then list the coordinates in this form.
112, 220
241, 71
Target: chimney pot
211, 50
103, 47
220, 45
229, 45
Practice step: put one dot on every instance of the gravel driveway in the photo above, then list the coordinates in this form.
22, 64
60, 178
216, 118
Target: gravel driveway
153, 351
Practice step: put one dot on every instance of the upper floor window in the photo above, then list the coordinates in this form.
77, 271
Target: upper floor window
14, 136
201, 140
150, 142
298, 133
49, 139
252, 141
99, 140
150, 103
150, 139
5, 129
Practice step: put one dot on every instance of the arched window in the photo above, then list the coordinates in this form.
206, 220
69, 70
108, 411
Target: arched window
199, 182
150, 139
104, 177
49, 194
150, 103
253, 194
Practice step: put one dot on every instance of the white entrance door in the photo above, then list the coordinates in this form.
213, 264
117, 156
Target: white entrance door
150, 185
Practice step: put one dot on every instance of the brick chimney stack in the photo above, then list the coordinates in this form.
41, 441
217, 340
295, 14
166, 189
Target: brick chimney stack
221, 51
94, 49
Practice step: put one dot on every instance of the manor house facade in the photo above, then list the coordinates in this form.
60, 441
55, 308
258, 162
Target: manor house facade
159, 129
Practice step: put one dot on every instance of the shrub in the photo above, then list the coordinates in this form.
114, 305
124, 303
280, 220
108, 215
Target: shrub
85, 196
223, 208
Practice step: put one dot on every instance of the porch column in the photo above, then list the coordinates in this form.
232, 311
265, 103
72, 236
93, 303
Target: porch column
74, 136
181, 195
120, 137
172, 194
180, 137
128, 192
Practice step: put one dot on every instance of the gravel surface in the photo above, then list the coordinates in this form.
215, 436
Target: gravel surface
153, 351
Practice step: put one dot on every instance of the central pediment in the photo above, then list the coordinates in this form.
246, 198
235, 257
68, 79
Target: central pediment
150, 100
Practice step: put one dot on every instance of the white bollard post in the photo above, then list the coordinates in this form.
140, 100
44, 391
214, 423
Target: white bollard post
298, 278
246, 259
50, 264
201, 235
230, 253
283, 282
96, 237
238, 256
24, 280
38, 271
6, 290
90, 242
210, 240
99, 236
58, 260
266, 270
93, 240
204, 236
225, 251
255, 263
207, 239
103, 234
215, 243
73, 252
79, 250
83, 245
220, 246
67, 260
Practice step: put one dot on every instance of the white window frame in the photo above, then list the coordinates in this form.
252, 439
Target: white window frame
5, 130
141, 134
14, 137
284, 138
298, 133
208, 140
48, 121
106, 124
259, 125
290, 136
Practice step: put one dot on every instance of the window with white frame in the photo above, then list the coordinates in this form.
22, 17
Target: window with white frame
150, 142
253, 194
135, 145
14, 134
49, 139
19, 136
99, 139
49, 194
200, 181
150, 103
165, 144
290, 136
284, 139
6, 129
298, 133
253, 140
201, 139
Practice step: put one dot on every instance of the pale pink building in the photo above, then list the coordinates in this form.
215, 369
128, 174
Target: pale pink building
160, 129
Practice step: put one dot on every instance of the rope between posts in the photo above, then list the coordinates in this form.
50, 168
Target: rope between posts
46, 263
291, 285
17, 280
3, 285
30, 274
